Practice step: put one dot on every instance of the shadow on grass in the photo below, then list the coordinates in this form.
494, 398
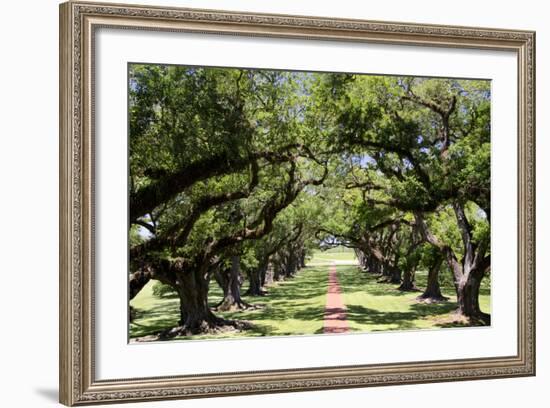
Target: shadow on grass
162, 315
401, 320
152, 327
302, 299
433, 309
451, 325
256, 330
354, 282
290, 299
362, 315
287, 300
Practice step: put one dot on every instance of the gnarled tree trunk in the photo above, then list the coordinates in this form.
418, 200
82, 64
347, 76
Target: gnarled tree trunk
230, 281
195, 313
390, 272
361, 259
467, 274
191, 283
302, 262
373, 266
255, 280
278, 268
432, 293
290, 267
395, 275
408, 284
468, 297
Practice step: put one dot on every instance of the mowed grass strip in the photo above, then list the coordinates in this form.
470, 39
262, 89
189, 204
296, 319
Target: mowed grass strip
373, 306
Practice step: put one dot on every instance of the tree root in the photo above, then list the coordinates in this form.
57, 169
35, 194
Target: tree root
239, 305
480, 319
408, 288
432, 298
459, 319
387, 279
217, 326
261, 292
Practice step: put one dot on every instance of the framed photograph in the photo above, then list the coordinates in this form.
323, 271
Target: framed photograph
255, 203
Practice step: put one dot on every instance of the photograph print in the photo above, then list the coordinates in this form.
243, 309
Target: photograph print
282, 203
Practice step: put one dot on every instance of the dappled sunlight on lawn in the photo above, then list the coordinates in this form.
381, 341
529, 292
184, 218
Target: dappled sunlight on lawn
297, 306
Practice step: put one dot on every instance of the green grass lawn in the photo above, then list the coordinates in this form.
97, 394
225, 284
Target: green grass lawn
292, 307
373, 306
328, 257
296, 306
153, 314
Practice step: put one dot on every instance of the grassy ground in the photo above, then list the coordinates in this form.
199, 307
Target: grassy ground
373, 306
153, 314
296, 306
292, 307
327, 257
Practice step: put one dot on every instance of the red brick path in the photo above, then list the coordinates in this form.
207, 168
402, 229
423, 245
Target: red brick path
335, 310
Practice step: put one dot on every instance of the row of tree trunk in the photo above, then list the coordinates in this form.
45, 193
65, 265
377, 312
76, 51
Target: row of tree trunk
406, 279
467, 274
282, 264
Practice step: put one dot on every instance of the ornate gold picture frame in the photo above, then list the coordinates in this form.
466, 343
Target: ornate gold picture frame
79, 22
